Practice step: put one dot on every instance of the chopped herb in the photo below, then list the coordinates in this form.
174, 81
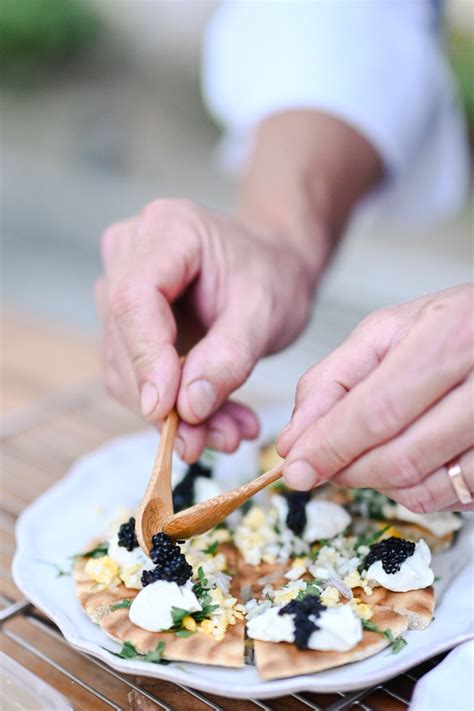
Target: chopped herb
368, 539
60, 572
122, 605
212, 548
311, 589
201, 588
129, 651
185, 633
99, 551
437, 578
178, 614
396, 643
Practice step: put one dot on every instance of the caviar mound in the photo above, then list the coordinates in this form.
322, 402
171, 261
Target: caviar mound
305, 613
296, 517
392, 552
183, 493
170, 564
126, 535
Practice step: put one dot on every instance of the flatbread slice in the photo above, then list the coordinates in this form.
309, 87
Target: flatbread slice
199, 648
279, 660
94, 601
416, 605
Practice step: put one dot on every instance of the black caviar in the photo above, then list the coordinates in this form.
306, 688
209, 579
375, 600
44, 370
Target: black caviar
392, 552
170, 563
305, 613
183, 493
296, 516
126, 535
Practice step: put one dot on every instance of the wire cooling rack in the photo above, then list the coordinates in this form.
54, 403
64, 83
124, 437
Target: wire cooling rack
142, 694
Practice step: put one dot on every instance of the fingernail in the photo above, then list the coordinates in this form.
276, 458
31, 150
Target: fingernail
216, 439
300, 475
179, 446
148, 399
202, 397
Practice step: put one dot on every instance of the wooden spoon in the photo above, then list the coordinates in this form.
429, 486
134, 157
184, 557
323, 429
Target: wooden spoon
204, 516
157, 504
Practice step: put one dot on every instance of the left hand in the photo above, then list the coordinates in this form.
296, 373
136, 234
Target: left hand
391, 406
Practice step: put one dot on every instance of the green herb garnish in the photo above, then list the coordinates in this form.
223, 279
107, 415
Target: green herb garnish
311, 589
185, 633
396, 643
60, 572
99, 551
369, 539
211, 549
122, 605
129, 651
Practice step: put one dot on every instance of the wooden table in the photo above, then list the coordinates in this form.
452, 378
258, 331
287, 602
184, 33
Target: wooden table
55, 410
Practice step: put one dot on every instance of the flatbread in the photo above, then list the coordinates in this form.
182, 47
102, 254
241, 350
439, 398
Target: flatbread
416, 605
94, 601
200, 648
279, 660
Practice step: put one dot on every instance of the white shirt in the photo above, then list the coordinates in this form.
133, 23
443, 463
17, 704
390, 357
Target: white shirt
379, 65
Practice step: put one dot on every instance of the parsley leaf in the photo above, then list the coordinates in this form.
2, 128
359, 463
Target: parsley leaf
396, 643
370, 538
60, 572
185, 633
212, 548
99, 551
311, 589
129, 651
122, 605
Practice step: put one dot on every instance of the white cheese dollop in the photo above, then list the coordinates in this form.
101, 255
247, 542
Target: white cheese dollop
414, 573
439, 524
127, 559
151, 609
270, 626
340, 630
324, 519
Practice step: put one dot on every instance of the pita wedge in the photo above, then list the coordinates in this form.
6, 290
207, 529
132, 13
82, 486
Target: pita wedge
200, 648
94, 601
279, 660
416, 605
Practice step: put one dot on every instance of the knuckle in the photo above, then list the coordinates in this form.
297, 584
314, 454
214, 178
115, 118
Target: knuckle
331, 457
303, 387
420, 499
383, 418
110, 236
405, 469
123, 298
168, 209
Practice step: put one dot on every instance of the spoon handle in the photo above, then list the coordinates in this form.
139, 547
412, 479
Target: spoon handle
204, 516
157, 502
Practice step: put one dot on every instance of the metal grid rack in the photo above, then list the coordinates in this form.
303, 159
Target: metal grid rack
395, 694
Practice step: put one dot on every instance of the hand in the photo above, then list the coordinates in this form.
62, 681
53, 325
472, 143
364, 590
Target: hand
391, 406
247, 294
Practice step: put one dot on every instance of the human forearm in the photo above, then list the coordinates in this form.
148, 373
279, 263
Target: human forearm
306, 173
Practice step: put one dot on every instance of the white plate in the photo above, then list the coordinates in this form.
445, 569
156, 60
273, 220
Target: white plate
62, 521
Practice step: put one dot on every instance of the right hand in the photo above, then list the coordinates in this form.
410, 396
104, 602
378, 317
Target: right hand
249, 293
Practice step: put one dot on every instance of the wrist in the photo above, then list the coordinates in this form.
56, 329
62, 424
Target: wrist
306, 173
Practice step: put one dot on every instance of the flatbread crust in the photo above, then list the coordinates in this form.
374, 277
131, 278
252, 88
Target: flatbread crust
279, 660
416, 605
200, 648
96, 602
